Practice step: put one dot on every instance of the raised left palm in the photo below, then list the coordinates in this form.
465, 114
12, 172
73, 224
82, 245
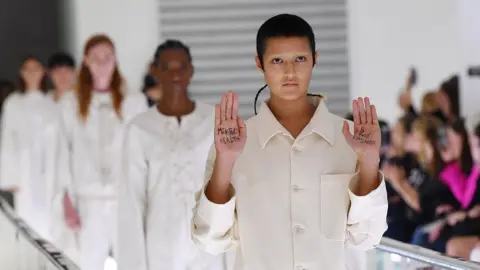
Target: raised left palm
366, 139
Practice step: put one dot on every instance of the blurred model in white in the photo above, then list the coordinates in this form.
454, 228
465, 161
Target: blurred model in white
88, 155
163, 164
61, 69
28, 121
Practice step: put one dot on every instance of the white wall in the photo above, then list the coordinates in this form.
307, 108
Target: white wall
133, 26
387, 37
439, 37
468, 15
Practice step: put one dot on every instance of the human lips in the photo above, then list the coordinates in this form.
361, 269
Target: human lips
290, 84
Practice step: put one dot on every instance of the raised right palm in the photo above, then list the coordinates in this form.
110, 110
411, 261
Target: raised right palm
230, 130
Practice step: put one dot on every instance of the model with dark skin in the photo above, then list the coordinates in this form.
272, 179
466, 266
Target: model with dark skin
174, 72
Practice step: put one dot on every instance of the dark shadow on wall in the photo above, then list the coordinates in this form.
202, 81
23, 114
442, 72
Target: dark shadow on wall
29, 27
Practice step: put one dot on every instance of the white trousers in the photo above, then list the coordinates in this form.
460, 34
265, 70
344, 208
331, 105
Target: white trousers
98, 233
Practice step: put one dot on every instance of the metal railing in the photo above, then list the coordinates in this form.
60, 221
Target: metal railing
21, 248
426, 256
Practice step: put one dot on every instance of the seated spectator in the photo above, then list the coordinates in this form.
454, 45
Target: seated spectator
465, 225
460, 175
421, 189
399, 218
448, 98
444, 103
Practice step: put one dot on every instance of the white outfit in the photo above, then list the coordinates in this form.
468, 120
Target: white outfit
291, 206
62, 236
28, 122
475, 255
163, 165
88, 159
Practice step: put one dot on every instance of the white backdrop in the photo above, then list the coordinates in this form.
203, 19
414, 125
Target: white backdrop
133, 26
468, 16
386, 37
439, 37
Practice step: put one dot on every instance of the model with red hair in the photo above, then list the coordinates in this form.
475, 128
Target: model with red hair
93, 119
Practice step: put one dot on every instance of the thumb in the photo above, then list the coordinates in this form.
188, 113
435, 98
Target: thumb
346, 132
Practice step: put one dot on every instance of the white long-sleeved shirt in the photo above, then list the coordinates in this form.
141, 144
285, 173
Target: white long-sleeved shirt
88, 152
163, 164
28, 122
291, 205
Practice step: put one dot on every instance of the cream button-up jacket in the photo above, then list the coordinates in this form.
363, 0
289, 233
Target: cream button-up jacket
291, 204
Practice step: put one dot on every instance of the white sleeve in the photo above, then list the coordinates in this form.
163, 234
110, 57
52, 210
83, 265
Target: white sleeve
132, 203
367, 217
9, 159
213, 225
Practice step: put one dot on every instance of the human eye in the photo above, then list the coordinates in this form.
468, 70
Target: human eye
301, 59
277, 61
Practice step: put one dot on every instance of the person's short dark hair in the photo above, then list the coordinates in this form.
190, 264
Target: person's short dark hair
168, 45
61, 59
284, 25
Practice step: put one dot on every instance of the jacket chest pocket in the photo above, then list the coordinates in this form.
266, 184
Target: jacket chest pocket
334, 205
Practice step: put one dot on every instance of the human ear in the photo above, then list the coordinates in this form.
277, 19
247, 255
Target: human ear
258, 64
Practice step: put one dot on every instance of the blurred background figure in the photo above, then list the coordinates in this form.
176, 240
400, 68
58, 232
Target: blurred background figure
164, 158
91, 134
61, 69
28, 119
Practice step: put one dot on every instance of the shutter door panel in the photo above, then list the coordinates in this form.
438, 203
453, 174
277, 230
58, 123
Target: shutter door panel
221, 35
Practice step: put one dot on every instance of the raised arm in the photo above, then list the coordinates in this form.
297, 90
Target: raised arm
214, 216
367, 217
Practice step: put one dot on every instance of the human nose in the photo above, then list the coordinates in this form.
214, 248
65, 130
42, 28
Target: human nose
176, 76
290, 70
